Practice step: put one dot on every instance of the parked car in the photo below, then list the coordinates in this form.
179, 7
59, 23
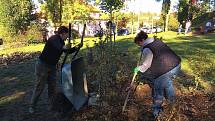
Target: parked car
158, 28
149, 30
124, 31
146, 29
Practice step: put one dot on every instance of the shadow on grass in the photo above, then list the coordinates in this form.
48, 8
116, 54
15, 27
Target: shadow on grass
199, 51
17, 80
16, 83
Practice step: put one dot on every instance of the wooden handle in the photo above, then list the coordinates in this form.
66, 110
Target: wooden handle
129, 91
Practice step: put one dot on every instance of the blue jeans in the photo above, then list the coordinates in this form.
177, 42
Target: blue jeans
162, 87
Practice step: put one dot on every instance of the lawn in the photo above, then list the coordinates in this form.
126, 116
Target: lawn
197, 52
198, 67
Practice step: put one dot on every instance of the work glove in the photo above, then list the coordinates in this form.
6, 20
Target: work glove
67, 46
136, 69
70, 50
80, 45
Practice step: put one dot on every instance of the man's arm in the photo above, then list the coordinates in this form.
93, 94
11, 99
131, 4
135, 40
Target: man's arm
73, 49
70, 50
146, 60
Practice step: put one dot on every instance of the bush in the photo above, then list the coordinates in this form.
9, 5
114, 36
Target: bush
33, 34
201, 20
173, 22
75, 34
5, 35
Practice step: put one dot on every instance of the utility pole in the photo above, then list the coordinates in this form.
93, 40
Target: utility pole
138, 19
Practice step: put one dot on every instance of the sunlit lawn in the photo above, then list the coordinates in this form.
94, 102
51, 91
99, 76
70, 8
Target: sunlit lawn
197, 52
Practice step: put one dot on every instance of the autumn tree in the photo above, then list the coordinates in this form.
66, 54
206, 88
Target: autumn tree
183, 11
65, 11
79, 10
199, 11
165, 12
15, 16
110, 6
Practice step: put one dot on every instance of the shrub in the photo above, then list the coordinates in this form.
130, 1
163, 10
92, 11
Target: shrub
173, 22
33, 34
75, 34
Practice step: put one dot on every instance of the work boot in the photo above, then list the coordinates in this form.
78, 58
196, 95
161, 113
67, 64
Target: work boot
31, 109
58, 115
172, 108
160, 117
157, 113
51, 108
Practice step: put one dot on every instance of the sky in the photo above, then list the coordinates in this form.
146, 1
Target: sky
36, 2
148, 5
143, 5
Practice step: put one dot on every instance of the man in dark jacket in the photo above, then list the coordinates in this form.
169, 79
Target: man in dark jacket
159, 64
45, 68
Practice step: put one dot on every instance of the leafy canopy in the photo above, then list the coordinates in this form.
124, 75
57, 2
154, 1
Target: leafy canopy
15, 15
111, 5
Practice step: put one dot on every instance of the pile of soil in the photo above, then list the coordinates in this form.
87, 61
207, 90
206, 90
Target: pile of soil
195, 106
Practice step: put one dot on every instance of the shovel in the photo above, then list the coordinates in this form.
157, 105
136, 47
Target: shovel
132, 82
129, 91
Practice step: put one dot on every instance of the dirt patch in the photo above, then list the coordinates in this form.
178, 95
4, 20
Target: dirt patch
16, 89
189, 107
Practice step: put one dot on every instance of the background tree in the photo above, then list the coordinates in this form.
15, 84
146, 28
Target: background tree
71, 10
78, 10
202, 12
15, 16
173, 22
165, 12
53, 11
200, 8
183, 11
110, 6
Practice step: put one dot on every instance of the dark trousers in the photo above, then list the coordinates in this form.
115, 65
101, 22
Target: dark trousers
44, 75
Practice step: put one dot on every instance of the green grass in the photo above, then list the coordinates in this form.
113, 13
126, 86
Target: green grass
17, 79
25, 49
197, 52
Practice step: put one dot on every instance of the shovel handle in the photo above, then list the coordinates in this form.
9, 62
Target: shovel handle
129, 91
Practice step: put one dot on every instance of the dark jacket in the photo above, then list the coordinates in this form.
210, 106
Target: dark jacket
53, 50
164, 59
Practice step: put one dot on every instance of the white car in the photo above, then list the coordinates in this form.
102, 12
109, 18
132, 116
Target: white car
146, 29
159, 29
149, 30
156, 29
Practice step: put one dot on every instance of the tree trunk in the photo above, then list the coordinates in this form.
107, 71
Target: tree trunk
61, 11
138, 21
132, 30
166, 22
